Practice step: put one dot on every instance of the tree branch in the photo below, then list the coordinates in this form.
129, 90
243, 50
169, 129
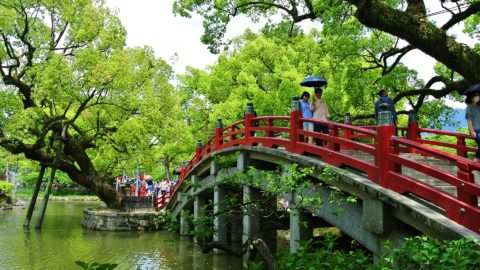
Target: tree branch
471, 10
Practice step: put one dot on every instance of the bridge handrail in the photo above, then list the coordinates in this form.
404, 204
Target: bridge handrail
461, 148
444, 132
462, 208
343, 136
462, 163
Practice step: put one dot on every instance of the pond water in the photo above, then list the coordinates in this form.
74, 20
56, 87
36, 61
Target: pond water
63, 240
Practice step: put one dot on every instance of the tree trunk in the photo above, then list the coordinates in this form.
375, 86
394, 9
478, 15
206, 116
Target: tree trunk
166, 163
33, 201
414, 28
258, 246
46, 196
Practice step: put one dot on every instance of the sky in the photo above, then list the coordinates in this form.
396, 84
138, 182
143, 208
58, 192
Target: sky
177, 39
152, 23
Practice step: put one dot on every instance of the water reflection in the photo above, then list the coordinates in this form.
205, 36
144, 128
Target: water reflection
63, 241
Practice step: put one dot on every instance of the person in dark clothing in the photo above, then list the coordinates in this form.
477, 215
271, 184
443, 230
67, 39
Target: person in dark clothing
472, 114
150, 186
385, 102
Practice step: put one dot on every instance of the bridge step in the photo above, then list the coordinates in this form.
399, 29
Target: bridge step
442, 165
359, 155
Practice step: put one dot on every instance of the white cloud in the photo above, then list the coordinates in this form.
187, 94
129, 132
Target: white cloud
152, 23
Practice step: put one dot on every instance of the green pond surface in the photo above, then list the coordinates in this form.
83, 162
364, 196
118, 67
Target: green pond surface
63, 240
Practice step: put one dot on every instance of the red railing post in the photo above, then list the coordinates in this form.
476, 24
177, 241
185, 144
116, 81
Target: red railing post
413, 133
465, 173
385, 131
218, 134
198, 151
347, 134
247, 124
461, 147
333, 132
182, 173
295, 115
268, 132
163, 200
232, 136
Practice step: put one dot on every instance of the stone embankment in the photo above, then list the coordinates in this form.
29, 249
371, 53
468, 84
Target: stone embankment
110, 220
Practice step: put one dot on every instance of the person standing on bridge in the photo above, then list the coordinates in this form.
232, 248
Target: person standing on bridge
320, 112
385, 103
306, 113
472, 114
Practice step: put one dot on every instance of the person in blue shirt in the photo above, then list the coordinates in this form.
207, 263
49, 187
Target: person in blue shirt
306, 113
472, 114
385, 102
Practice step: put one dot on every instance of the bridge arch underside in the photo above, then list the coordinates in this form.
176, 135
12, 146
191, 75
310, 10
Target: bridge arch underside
377, 215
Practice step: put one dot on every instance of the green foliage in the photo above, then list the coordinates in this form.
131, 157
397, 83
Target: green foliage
422, 252
96, 266
436, 114
65, 63
266, 69
165, 221
323, 257
60, 177
63, 192
6, 187
352, 55
225, 162
418, 252
252, 265
452, 140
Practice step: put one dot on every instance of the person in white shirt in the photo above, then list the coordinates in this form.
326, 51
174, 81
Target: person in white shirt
320, 112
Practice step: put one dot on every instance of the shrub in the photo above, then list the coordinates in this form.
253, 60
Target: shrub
422, 252
5, 187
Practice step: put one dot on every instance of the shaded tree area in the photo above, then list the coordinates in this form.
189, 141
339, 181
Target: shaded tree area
64, 64
364, 35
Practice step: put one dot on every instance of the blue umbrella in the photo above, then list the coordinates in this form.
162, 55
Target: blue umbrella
472, 89
314, 81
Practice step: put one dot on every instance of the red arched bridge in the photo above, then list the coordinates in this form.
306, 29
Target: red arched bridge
398, 179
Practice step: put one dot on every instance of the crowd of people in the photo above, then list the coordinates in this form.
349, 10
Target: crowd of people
317, 110
147, 186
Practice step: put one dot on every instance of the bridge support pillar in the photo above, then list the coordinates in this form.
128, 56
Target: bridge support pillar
243, 161
236, 229
300, 227
198, 211
251, 220
374, 218
268, 226
219, 222
184, 224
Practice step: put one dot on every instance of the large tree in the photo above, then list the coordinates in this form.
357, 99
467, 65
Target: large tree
64, 65
266, 69
402, 19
